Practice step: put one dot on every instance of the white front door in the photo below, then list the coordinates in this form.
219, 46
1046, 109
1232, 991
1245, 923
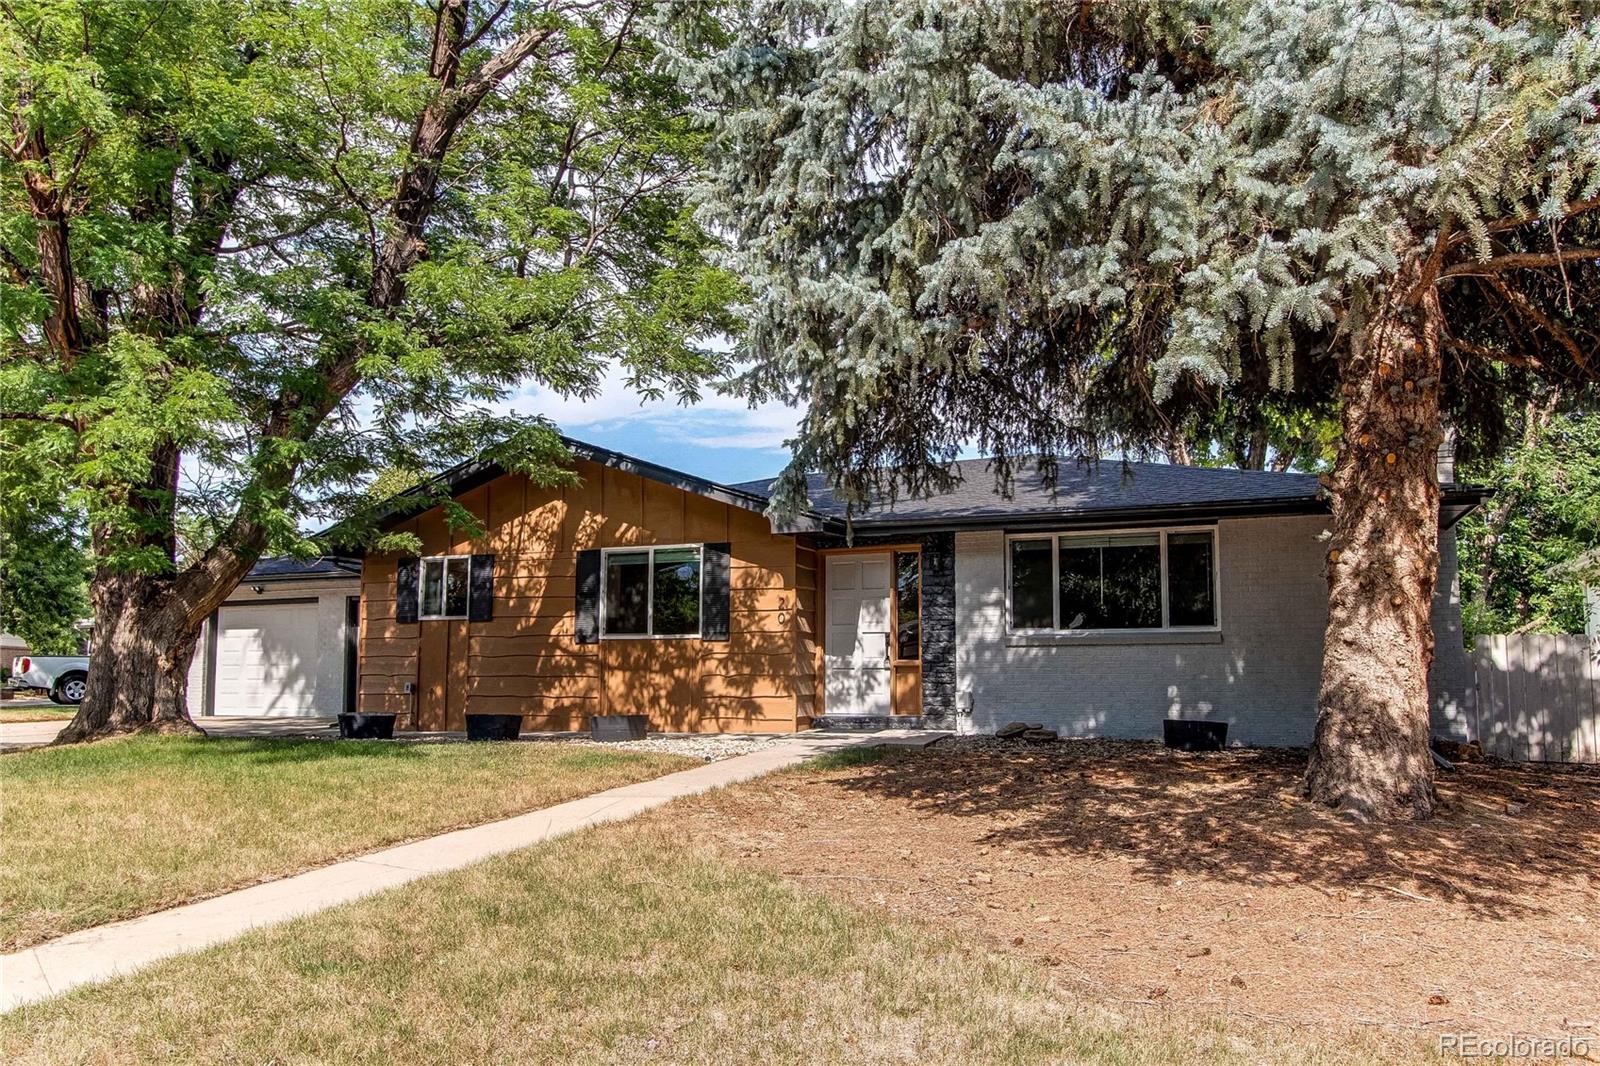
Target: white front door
856, 648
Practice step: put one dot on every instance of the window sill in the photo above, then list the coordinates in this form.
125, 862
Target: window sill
649, 636
1056, 640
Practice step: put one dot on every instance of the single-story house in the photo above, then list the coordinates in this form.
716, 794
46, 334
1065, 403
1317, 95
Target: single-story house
283, 644
1122, 595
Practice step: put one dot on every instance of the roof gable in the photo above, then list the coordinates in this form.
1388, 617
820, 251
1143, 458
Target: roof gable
474, 472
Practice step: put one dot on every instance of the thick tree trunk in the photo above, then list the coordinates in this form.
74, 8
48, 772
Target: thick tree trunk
1370, 756
139, 661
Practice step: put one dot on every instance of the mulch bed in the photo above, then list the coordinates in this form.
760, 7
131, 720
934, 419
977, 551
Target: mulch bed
1204, 883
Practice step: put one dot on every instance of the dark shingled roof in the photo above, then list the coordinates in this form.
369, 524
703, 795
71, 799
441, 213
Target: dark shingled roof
1109, 490
284, 567
1106, 493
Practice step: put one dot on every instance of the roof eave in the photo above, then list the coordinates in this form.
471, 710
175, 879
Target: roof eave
1065, 518
1458, 501
1455, 503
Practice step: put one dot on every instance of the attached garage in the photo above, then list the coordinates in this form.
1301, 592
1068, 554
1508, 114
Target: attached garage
266, 659
282, 646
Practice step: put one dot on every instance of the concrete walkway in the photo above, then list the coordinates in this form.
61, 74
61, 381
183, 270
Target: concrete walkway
95, 955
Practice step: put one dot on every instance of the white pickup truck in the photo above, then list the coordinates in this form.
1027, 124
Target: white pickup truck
64, 677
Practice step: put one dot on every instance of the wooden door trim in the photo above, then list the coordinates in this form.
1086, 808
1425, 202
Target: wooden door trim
894, 606
911, 702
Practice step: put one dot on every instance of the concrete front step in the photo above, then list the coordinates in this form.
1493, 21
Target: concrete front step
872, 722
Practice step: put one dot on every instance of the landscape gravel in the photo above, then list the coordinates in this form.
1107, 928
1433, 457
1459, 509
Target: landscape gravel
712, 747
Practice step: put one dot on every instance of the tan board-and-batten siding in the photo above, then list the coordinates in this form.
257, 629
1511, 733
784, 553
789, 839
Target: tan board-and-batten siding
527, 659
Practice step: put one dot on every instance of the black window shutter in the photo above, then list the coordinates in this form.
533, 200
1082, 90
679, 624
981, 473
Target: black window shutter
588, 620
714, 592
480, 592
405, 590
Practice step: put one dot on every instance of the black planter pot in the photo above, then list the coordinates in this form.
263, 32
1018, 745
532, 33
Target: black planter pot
1191, 735
610, 728
494, 726
367, 726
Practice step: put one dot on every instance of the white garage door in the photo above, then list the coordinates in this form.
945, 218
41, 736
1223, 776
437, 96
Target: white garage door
267, 660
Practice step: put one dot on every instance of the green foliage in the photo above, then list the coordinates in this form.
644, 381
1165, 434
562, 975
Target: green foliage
1265, 433
44, 582
226, 173
44, 569
392, 482
1043, 227
1526, 555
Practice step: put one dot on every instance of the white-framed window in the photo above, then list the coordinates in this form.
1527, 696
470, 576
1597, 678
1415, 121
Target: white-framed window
651, 592
442, 586
1113, 581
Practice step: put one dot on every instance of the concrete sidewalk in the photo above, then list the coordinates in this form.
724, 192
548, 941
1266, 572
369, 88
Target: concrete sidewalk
95, 955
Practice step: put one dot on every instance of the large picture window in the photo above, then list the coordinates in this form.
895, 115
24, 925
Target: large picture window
1107, 582
443, 586
651, 592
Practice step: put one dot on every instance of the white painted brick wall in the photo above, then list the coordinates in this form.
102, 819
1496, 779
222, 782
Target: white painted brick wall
1261, 678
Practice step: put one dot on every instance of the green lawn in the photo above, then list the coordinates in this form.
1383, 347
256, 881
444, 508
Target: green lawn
625, 943
99, 832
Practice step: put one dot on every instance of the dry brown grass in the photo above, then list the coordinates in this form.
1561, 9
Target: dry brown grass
1203, 885
628, 943
94, 833
834, 914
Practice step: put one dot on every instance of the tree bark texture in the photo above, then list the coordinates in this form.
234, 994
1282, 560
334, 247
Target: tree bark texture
141, 650
1370, 755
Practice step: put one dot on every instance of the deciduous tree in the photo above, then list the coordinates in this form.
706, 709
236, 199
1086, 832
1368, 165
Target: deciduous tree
251, 253
44, 581
1526, 557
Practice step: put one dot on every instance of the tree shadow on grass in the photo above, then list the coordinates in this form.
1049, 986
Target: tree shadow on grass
1501, 837
264, 750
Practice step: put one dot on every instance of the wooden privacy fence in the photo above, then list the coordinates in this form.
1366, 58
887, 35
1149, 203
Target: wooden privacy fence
1539, 697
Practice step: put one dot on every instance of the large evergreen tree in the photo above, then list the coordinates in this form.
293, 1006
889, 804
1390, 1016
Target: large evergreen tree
253, 253
1042, 228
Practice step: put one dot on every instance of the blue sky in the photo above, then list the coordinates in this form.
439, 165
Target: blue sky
720, 438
